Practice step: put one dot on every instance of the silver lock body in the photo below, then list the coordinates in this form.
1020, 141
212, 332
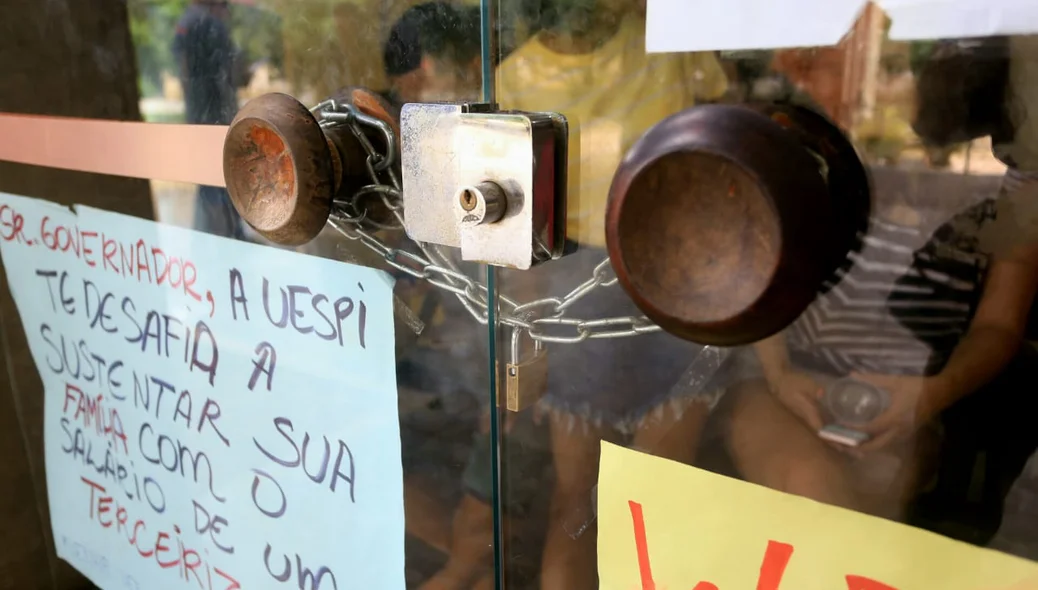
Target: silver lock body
456, 157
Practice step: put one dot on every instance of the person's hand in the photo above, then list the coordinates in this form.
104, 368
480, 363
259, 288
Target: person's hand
910, 408
800, 394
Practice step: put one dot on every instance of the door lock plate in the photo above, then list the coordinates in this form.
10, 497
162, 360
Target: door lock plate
490, 183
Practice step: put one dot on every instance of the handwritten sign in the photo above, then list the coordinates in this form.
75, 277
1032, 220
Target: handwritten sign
667, 526
218, 415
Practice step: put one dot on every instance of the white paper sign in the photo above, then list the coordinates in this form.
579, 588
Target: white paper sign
218, 415
708, 25
945, 19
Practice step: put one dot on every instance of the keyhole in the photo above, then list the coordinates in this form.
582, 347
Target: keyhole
468, 200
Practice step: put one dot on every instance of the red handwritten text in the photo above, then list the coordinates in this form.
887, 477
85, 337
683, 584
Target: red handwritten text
12, 225
132, 259
156, 546
91, 412
772, 569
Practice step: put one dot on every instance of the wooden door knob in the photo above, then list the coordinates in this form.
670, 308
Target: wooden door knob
278, 167
724, 222
283, 169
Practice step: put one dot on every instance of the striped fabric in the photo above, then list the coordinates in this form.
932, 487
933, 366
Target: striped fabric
901, 306
1015, 180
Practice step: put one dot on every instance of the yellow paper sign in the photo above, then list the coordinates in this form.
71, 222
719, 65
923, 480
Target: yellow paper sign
667, 526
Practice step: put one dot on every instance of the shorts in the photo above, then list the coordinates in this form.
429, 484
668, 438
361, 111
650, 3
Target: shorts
613, 382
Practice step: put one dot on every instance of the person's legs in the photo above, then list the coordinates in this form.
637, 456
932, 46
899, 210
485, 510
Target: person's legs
472, 544
772, 447
472, 527
673, 435
569, 559
470, 554
888, 480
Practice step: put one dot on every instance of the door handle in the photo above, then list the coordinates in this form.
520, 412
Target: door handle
490, 183
283, 168
724, 222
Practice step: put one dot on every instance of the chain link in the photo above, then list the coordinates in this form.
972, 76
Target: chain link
544, 319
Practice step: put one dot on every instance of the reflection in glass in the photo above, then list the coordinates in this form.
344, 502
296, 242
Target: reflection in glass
931, 312
929, 315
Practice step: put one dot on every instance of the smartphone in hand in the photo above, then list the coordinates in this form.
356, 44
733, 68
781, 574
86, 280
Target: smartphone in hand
843, 435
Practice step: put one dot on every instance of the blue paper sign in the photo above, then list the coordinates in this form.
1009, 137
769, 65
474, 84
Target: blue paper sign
218, 415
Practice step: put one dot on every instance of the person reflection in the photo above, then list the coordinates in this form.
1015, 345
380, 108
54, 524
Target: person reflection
926, 319
433, 54
211, 69
587, 60
1020, 152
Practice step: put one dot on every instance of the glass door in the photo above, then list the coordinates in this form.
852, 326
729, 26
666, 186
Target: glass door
129, 107
789, 268
639, 294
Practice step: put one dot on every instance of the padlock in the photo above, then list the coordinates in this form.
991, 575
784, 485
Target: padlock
525, 380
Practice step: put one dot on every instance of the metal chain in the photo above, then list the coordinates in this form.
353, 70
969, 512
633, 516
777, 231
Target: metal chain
544, 319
